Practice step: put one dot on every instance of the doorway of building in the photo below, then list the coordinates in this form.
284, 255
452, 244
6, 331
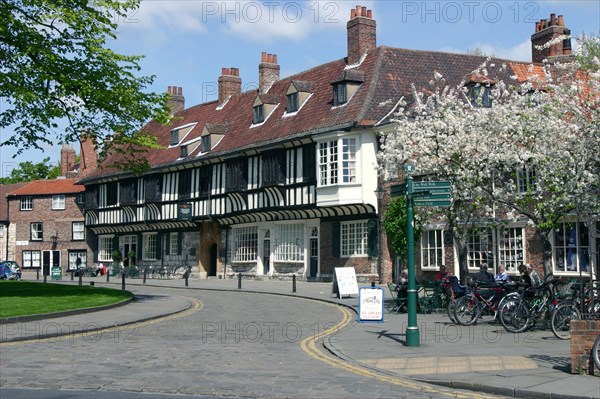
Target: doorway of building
314, 253
212, 268
129, 245
50, 259
266, 258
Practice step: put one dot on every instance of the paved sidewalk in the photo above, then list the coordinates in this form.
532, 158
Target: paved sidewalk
483, 357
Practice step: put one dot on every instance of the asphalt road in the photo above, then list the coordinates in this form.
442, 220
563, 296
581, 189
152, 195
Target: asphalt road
229, 344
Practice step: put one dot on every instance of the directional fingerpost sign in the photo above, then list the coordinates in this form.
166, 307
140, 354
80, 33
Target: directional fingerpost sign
432, 193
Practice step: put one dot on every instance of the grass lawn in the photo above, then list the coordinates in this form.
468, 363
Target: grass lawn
22, 298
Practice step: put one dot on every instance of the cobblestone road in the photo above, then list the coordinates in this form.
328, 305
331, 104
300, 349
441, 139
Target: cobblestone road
233, 344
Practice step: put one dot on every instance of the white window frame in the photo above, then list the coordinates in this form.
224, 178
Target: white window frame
105, 248
511, 248
37, 234
338, 161
149, 246
73, 255
32, 259
289, 242
245, 244
432, 249
26, 203
526, 179
78, 231
354, 239
572, 251
58, 202
480, 245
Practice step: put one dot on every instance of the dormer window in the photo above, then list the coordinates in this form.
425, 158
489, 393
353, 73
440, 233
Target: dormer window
183, 151
258, 115
480, 95
179, 133
346, 86
205, 143
292, 102
339, 93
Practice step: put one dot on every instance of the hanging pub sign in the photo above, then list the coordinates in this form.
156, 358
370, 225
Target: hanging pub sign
184, 211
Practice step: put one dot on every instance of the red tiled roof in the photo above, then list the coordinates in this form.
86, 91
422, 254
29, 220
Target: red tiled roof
48, 187
387, 73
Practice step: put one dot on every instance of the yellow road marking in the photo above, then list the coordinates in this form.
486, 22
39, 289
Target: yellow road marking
195, 306
309, 346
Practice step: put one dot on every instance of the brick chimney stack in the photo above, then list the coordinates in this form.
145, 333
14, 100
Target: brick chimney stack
268, 72
67, 160
545, 31
88, 157
362, 33
230, 84
177, 101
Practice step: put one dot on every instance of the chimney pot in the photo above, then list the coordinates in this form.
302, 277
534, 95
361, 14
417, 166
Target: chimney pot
264, 57
169, 89
561, 20
362, 35
179, 91
352, 13
274, 58
552, 19
369, 14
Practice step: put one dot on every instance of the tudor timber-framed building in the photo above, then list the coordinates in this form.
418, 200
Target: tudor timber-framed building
282, 179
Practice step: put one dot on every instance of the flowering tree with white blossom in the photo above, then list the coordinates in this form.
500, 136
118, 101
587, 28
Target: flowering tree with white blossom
534, 155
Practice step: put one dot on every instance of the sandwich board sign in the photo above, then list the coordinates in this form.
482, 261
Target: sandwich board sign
370, 305
344, 282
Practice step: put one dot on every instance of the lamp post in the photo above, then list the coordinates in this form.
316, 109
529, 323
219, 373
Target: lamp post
379, 192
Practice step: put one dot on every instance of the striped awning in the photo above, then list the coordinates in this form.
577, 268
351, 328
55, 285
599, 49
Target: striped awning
333, 212
141, 227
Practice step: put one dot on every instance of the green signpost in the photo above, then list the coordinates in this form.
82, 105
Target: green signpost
422, 193
56, 273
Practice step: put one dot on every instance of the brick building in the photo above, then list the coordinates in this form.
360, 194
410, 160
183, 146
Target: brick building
281, 180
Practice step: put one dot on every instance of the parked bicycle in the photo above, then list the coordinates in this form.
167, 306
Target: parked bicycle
454, 290
519, 313
596, 353
484, 300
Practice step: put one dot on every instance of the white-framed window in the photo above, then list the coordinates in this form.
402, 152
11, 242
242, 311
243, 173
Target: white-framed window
292, 102
526, 180
338, 157
511, 248
105, 248
571, 248
26, 203
480, 249
37, 231
289, 242
174, 243
245, 244
58, 202
354, 238
432, 249
73, 256
78, 231
32, 259
149, 246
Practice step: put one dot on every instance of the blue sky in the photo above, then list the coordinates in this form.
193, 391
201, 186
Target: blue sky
187, 42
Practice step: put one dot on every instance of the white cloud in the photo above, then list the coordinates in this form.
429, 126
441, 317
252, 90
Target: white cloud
520, 52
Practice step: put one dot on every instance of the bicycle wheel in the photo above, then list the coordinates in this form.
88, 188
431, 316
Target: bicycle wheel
467, 310
562, 315
596, 353
450, 310
514, 315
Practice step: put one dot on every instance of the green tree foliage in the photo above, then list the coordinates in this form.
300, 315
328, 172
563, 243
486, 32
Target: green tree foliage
56, 68
28, 171
394, 224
